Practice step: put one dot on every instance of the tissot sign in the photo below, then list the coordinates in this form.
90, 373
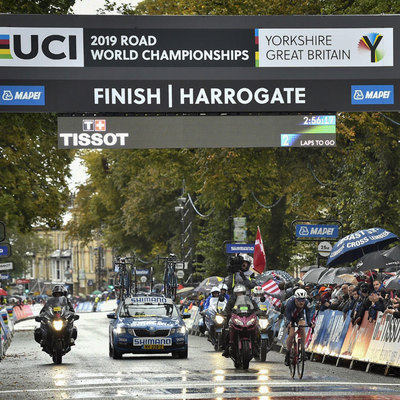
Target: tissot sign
178, 64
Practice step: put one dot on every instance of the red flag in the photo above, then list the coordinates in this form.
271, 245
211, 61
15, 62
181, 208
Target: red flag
272, 287
259, 254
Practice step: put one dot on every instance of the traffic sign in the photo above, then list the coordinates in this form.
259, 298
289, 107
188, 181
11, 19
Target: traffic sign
324, 249
239, 248
5, 250
142, 271
6, 266
179, 265
180, 274
143, 279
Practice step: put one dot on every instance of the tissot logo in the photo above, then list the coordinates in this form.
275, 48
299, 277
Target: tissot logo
41, 47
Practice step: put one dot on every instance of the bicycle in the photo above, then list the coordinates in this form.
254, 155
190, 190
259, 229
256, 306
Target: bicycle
123, 277
170, 279
297, 352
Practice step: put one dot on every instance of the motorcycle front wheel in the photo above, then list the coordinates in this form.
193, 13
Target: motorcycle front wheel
264, 349
246, 354
57, 357
218, 342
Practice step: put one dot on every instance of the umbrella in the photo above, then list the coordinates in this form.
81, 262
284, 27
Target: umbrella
207, 284
96, 292
281, 274
393, 283
314, 274
330, 278
348, 278
393, 253
3, 292
359, 243
306, 269
375, 260
264, 277
185, 290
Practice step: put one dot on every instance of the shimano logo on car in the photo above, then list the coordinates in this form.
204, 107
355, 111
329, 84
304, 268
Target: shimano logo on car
22, 96
372, 94
143, 341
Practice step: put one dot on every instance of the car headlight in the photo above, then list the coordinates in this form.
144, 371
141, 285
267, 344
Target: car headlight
219, 319
120, 329
58, 324
179, 329
263, 323
251, 322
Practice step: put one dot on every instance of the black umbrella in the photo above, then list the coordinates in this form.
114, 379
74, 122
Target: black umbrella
374, 260
306, 269
331, 277
393, 283
393, 253
314, 274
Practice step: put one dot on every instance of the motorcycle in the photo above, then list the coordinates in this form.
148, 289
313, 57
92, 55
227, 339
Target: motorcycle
57, 323
215, 322
266, 323
243, 327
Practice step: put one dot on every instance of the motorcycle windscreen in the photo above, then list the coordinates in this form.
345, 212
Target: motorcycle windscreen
57, 305
243, 304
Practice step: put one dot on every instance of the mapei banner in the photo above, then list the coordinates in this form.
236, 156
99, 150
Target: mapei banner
79, 64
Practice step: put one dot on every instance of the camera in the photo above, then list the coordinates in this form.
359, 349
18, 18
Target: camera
234, 264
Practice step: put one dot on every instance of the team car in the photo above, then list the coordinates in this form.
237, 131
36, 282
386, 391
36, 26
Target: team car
147, 324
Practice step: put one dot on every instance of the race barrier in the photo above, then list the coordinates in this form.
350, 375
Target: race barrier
6, 330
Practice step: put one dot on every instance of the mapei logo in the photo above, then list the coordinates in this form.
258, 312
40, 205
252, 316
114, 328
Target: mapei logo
22, 96
41, 47
371, 43
372, 94
303, 231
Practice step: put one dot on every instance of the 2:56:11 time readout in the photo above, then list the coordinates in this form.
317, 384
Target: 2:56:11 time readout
319, 120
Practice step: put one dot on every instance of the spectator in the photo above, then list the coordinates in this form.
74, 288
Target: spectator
357, 304
377, 304
365, 303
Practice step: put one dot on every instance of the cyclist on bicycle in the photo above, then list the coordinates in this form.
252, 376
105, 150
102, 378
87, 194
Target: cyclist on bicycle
297, 311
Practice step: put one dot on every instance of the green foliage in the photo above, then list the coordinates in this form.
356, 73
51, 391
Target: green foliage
36, 6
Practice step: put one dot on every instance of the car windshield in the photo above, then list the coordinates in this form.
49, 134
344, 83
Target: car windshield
148, 310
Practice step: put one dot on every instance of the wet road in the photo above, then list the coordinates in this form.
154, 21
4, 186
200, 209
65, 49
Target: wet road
88, 373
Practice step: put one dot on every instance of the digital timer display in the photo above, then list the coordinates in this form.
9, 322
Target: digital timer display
318, 120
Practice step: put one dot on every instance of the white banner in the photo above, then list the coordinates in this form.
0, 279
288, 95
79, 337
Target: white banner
339, 47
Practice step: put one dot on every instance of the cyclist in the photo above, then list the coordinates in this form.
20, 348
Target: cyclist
297, 311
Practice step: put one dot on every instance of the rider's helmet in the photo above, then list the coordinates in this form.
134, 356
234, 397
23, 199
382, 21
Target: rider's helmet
258, 291
300, 294
247, 261
214, 289
223, 286
58, 291
239, 289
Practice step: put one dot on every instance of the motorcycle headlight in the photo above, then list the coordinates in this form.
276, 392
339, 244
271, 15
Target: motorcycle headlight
237, 321
120, 329
251, 321
219, 319
263, 323
58, 324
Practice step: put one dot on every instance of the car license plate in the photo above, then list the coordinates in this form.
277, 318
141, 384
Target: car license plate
153, 347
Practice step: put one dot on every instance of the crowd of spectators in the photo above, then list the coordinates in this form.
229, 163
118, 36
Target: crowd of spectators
366, 295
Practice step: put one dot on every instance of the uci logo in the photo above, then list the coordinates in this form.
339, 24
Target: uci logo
42, 47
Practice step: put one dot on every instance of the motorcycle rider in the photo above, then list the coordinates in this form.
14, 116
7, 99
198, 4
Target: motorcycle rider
244, 276
213, 293
41, 332
223, 288
238, 298
297, 310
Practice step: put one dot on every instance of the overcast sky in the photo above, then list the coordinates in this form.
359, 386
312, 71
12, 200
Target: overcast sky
91, 6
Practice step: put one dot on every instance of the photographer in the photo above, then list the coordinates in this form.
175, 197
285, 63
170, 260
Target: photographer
239, 267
